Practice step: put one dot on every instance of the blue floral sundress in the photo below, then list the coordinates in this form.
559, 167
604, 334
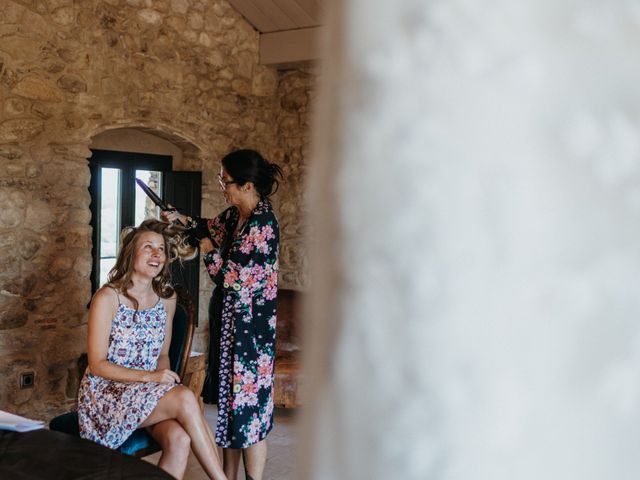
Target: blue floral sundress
108, 410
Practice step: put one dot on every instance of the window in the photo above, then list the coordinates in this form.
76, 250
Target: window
109, 221
117, 202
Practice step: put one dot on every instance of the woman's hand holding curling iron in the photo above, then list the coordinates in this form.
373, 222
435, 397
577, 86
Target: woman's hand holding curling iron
173, 215
163, 376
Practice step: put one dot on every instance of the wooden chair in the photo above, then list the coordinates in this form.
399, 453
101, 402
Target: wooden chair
287, 375
140, 443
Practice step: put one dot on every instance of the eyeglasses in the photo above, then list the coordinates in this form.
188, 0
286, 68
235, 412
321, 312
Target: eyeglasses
223, 183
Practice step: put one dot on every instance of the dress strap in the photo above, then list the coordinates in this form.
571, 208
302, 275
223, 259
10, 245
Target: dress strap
117, 295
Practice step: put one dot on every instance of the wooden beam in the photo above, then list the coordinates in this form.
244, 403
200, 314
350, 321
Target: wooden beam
290, 48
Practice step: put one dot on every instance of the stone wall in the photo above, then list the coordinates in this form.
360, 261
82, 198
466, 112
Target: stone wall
295, 97
183, 70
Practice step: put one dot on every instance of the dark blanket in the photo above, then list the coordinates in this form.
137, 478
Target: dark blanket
44, 454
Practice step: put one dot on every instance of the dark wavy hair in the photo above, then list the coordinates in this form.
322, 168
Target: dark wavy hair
119, 276
249, 166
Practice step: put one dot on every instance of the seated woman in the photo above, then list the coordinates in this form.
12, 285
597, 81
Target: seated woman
128, 383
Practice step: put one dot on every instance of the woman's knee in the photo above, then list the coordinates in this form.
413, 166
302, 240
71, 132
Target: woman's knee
172, 437
186, 399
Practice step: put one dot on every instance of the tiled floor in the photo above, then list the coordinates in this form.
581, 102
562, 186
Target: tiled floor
280, 460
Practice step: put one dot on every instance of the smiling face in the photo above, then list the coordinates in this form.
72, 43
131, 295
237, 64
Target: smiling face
230, 189
150, 254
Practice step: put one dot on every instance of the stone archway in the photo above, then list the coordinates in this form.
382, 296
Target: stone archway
187, 156
139, 137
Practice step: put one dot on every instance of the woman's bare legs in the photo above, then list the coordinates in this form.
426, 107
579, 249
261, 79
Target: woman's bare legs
231, 458
175, 444
255, 458
212, 438
181, 404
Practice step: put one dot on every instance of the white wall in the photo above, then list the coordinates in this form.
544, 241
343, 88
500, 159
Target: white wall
132, 140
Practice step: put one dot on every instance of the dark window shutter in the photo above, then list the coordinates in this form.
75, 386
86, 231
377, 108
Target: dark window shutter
184, 191
94, 190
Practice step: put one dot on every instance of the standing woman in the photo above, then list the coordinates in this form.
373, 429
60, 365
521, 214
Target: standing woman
241, 257
128, 383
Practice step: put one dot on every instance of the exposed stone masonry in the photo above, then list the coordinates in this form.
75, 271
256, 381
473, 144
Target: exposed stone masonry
184, 70
295, 97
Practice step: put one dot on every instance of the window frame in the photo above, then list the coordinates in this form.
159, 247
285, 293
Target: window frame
128, 163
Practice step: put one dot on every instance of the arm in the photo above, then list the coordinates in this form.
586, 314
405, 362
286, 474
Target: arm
212, 261
210, 247
214, 227
163, 359
103, 309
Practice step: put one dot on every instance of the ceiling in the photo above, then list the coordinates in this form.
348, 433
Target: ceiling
288, 29
269, 16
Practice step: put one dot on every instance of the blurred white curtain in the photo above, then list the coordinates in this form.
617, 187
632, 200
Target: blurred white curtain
476, 199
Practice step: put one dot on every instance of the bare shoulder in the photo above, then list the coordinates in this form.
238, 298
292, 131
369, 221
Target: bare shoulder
170, 302
104, 305
104, 297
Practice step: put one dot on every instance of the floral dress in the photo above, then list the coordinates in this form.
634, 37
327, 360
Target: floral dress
108, 410
245, 271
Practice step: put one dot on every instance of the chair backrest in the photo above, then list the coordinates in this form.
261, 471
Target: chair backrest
288, 325
182, 331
